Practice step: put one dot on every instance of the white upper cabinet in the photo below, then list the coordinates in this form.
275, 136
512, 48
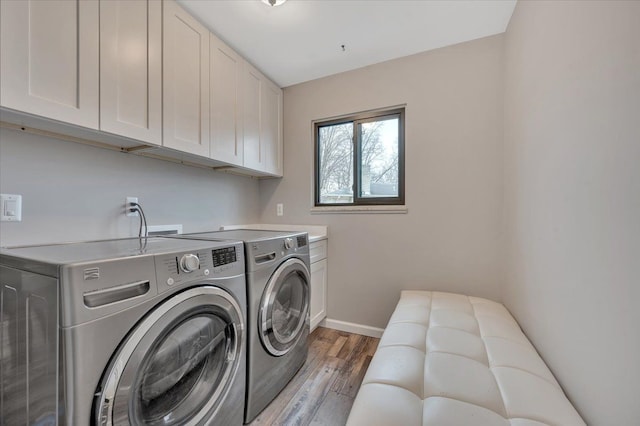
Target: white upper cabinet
262, 107
131, 69
185, 82
138, 71
225, 96
49, 60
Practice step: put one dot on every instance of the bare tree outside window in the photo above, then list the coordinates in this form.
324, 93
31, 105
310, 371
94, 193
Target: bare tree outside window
335, 149
364, 155
379, 172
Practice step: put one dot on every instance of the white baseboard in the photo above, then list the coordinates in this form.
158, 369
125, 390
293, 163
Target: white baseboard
350, 327
315, 322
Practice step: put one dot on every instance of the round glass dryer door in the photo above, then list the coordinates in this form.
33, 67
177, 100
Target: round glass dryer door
178, 363
284, 307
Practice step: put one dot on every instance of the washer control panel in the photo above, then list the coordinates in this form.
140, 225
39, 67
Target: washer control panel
224, 256
288, 243
177, 269
189, 263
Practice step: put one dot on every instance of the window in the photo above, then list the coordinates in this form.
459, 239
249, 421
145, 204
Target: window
360, 160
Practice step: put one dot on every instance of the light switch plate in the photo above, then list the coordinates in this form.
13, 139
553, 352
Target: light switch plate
10, 208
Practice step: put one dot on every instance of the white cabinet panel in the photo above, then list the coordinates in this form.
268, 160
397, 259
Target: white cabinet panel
252, 85
271, 128
318, 304
185, 82
131, 69
50, 59
317, 251
262, 123
225, 97
319, 276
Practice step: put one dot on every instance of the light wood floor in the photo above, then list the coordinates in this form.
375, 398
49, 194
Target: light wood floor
323, 390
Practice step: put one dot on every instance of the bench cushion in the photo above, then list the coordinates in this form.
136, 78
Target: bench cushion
450, 359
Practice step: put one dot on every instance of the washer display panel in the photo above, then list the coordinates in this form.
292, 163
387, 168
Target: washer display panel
284, 307
177, 365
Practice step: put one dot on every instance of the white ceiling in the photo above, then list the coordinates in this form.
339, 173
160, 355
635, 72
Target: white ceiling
301, 40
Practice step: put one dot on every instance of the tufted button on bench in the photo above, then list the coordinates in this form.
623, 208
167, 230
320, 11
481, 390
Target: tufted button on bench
450, 359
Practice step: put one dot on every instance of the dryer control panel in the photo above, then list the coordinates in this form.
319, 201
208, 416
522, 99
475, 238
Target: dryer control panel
266, 252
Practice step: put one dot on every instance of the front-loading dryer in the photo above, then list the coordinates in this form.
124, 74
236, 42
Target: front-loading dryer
124, 332
278, 292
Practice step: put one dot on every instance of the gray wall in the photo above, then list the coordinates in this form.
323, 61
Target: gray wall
450, 238
572, 176
76, 192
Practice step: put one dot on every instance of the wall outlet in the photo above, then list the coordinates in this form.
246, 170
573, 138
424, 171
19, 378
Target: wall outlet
127, 207
279, 209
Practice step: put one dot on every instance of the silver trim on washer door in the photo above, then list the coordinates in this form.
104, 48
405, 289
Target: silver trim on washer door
114, 400
266, 308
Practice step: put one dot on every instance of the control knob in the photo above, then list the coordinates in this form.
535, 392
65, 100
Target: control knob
189, 262
288, 243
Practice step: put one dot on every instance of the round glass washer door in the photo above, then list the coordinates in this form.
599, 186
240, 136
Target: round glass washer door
284, 307
177, 365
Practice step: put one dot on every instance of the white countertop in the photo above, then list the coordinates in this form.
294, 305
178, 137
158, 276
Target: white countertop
316, 232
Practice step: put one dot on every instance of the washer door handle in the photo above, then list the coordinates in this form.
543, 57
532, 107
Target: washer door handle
105, 296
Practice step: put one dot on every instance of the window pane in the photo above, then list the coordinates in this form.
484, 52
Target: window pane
379, 168
335, 163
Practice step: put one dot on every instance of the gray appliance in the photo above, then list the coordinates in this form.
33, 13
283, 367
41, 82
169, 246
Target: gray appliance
130, 331
278, 291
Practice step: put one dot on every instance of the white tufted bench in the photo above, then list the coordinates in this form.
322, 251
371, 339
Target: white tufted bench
450, 359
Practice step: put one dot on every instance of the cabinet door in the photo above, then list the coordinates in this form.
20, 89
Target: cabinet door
251, 104
225, 71
318, 305
262, 123
131, 69
185, 82
50, 59
271, 128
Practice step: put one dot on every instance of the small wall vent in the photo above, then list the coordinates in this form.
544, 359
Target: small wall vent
157, 230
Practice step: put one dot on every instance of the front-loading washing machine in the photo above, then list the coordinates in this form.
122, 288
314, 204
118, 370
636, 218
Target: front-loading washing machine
278, 291
123, 332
